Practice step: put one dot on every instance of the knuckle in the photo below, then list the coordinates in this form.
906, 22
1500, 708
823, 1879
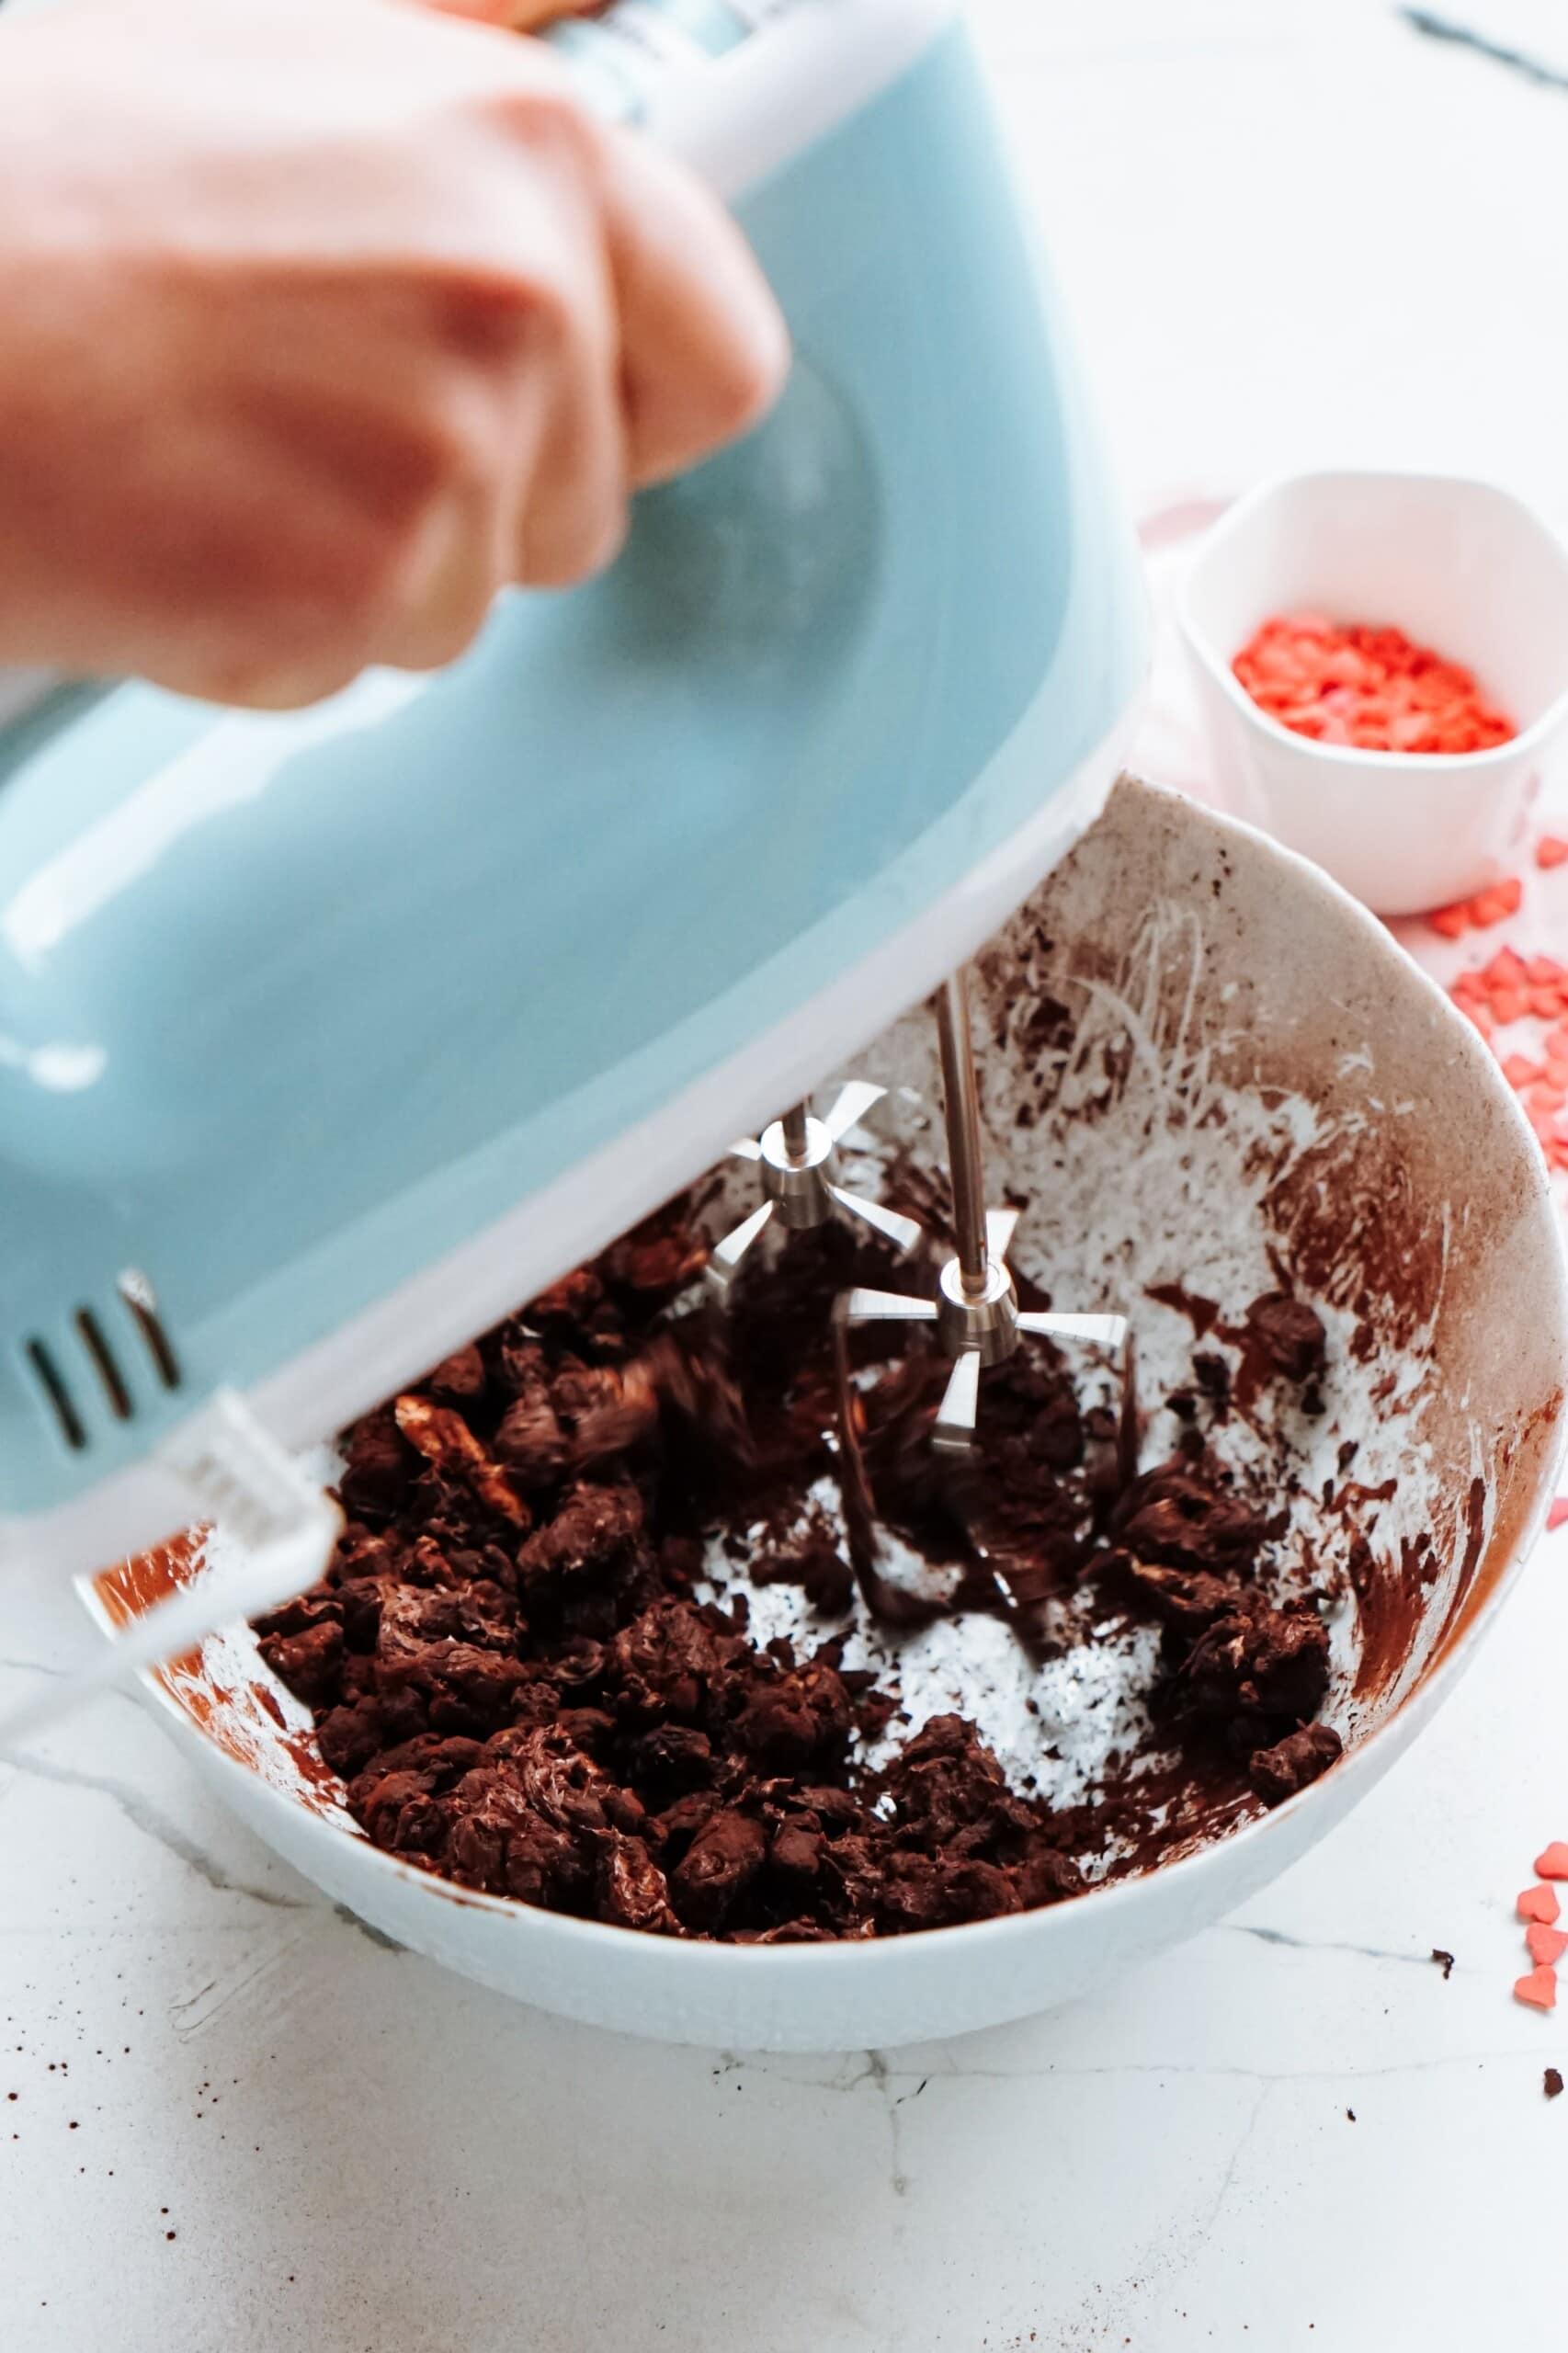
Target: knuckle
747, 380
544, 114
497, 316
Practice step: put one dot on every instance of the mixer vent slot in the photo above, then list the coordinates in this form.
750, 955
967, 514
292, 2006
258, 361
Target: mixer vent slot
142, 1301
58, 1396
109, 1373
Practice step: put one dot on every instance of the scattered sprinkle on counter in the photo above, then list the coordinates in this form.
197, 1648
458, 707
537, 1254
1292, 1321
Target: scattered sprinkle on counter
1539, 1989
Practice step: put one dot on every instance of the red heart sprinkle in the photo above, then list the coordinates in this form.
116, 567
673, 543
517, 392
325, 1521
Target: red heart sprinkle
1539, 1989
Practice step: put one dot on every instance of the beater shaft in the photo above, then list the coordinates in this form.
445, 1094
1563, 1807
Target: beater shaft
796, 1134
965, 1168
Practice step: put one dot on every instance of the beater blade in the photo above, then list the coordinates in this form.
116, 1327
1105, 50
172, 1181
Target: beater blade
979, 1322
798, 1156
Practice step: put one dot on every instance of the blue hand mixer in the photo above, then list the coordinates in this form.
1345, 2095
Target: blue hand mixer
326, 1038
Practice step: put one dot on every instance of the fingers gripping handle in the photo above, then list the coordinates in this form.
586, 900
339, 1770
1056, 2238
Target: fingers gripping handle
738, 88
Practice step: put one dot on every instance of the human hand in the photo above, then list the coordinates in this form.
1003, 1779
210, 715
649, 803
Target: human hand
319, 324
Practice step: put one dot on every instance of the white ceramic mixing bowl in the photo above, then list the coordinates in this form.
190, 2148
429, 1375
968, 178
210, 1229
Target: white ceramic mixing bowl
1459, 565
1205, 1063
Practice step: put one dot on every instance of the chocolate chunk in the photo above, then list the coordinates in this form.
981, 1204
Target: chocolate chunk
359, 1600
1278, 1772
663, 1254
718, 1867
815, 1564
946, 1780
1056, 1434
460, 1375
796, 1852
792, 1932
532, 1824
470, 1690
1552, 2084
559, 1783
441, 1434
1175, 1516
401, 1814
379, 1466
1290, 1334
1047, 1877
666, 1663
1445, 1961
674, 1756
529, 1439
349, 1736
572, 1299
1189, 1598
316, 1608
311, 1664
605, 1410
593, 1527
1257, 1666
795, 1722
633, 1889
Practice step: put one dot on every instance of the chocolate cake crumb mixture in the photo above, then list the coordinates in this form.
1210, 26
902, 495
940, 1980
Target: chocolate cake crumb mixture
516, 1667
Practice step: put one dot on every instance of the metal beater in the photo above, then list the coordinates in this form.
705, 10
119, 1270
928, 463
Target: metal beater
797, 1158
979, 1322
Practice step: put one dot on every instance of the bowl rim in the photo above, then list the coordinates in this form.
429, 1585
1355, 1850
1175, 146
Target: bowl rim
1479, 765
1363, 1763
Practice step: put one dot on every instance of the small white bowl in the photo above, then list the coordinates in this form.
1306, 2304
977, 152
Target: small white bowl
1459, 565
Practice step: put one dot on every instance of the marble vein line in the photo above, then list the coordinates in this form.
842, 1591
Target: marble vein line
1444, 29
144, 1817
1200, 2071
1323, 1944
882, 2071
1243, 2142
882, 2074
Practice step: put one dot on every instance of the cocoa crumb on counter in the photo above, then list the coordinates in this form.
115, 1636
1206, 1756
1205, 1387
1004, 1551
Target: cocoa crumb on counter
1551, 2083
516, 1668
1445, 1961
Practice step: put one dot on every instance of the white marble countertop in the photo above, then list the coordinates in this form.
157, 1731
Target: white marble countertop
229, 2118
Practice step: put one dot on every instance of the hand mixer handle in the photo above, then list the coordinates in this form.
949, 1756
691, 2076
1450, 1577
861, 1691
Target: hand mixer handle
737, 88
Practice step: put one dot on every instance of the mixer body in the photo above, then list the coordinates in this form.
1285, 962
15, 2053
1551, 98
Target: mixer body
341, 1031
